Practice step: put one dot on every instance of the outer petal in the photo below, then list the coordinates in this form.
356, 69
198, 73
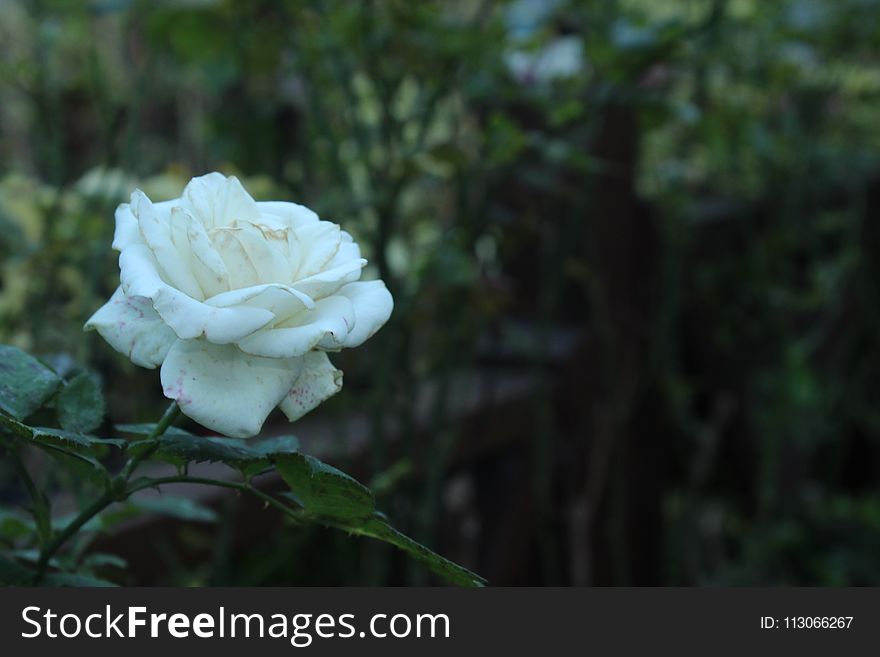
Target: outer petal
317, 382
372, 307
348, 252
224, 389
132, 327
126, 228
326, 327
188, 317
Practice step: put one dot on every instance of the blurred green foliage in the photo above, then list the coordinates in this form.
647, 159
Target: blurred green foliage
505, 163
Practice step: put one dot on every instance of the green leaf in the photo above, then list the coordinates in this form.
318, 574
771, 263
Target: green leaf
58, 438
14, 525
275, 446
73, 440
102, 560
25, 383
323, 490
32, 556
179, 447
80, 404
176, 507
377, 527
13, 573
13, 427
268, 449
61, 443
337, 500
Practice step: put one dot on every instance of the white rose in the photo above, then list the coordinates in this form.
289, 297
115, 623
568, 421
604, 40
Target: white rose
238, 301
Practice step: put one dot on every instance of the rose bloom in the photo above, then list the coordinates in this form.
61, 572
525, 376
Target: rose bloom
239, 301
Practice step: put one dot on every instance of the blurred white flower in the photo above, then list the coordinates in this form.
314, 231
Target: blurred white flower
555, 58
238, 301
562, 58
105, 184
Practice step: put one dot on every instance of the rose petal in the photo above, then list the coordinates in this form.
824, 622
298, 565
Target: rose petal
241, 267
372, 307
317, 382
291, 214
218, 201
281, 300
348, 252
326, 327
224, 389
326, 283
133, 328
270, 263
156, 231
320, 242
127, 231
207, 265
188, 317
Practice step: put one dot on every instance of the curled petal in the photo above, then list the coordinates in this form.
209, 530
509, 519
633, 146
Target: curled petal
372, 307
224, 389
326, 283
282, 301
133, 328
156, 231
188, 317
317, 382
325, 327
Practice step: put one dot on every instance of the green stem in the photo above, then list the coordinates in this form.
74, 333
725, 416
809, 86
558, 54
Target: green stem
40, 509
75, 525
168, 418
116, 492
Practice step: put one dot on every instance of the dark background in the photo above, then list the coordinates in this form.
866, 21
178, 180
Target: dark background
633, 247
